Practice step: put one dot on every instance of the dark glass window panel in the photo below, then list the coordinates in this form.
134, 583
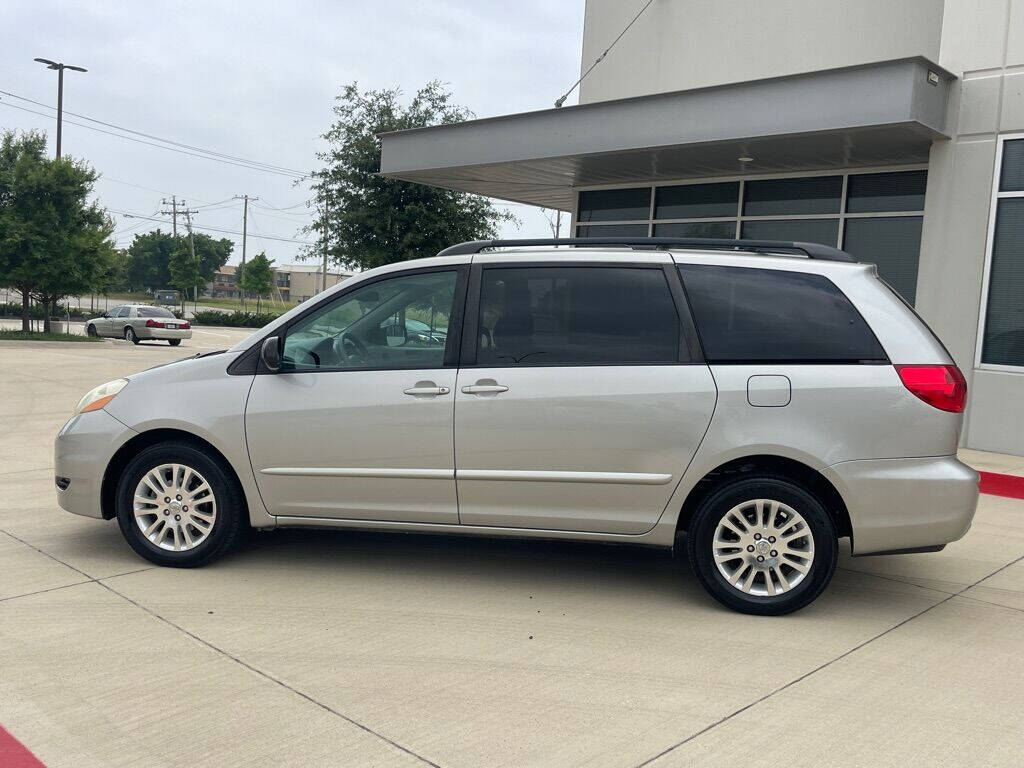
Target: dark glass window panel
1011, 179
824, 231
154, 312
1004, 316
543, 316
897, 191
754, 315
722, 229
787, 197
615, 204
696, 201
893, 243
613, 230
397, 323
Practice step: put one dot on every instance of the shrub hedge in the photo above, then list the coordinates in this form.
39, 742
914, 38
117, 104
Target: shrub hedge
232, 319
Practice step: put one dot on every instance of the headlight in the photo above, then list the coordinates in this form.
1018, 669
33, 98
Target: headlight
99, 397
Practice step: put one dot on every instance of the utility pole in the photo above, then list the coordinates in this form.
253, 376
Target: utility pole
60, 67
245, 231
173, 213
192, 247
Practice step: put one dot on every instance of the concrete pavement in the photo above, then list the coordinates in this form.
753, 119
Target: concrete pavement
355, 649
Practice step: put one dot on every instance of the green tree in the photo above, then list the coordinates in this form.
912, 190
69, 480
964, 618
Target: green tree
256, 278
53, 241
149, 258
369, 220
188, 271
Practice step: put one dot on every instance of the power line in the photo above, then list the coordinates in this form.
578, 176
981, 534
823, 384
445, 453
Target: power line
131, 215
292, 174
598, 60
287, 208
269, 166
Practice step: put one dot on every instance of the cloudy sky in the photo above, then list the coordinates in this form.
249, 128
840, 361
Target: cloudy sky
257, 80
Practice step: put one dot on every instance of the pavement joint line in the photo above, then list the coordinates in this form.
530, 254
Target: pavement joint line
44, 591
934, 589
222, 652
898, 581
820, 667
21, 471
271, 678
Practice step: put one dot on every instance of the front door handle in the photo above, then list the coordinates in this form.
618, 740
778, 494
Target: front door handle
484, 389
426, 388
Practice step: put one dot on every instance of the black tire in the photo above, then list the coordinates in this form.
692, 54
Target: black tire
130, 335
229, 527
174, 342
701, 535
90, 330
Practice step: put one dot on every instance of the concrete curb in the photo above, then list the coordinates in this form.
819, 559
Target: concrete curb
999, 484
49, 344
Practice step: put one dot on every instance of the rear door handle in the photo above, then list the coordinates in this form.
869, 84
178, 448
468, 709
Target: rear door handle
426, 391
484, 389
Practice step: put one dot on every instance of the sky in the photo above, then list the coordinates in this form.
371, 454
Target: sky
257, 80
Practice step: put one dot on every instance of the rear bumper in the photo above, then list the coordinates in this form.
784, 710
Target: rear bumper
906, 504
165, 333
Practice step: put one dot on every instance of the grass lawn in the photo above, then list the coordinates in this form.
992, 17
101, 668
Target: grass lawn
266, 307
11, 335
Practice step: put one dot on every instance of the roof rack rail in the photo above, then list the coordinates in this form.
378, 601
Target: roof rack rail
810, 250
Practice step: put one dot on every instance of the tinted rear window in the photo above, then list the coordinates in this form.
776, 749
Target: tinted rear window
154, 312
755, 315
576, 316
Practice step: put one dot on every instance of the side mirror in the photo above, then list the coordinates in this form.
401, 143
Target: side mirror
270, 353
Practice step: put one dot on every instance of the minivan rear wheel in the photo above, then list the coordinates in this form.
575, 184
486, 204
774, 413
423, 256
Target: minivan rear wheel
178, 505
762, 545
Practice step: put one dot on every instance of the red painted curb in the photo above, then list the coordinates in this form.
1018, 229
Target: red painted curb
14, 754
998, 484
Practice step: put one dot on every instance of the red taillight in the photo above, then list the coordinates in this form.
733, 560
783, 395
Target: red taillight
184, 325
941, 386
151, 323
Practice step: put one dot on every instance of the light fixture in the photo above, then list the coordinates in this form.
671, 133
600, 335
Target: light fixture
745, 159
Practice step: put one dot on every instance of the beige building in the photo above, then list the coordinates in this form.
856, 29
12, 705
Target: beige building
894, 130
292, 282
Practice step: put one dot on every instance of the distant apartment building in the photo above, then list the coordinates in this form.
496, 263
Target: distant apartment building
292, 282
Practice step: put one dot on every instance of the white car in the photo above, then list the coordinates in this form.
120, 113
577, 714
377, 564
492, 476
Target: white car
138, 322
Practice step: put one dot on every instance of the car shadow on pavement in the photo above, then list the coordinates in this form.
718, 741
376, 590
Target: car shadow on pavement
458, 558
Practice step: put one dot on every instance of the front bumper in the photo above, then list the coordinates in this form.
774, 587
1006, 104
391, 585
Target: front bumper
82, 451
164, 333
906, 504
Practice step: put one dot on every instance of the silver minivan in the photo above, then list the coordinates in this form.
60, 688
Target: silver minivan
758, 400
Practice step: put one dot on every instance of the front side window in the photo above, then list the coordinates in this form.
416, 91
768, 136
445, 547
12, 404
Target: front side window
544, 316
396, 323
747, 315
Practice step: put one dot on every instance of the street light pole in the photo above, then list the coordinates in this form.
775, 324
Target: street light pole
60, 67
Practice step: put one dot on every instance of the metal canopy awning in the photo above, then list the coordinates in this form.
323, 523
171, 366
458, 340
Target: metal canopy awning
873, 114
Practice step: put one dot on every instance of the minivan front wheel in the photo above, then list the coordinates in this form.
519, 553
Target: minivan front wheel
763, 545
178, 506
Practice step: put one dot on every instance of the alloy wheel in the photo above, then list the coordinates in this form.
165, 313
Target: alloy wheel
175, 507
763, 547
